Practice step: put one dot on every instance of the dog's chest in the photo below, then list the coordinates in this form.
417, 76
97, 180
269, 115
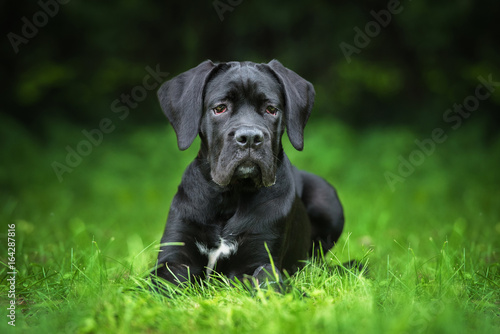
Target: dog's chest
222, 251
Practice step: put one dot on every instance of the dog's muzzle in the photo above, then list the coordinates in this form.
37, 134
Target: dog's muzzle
246, 159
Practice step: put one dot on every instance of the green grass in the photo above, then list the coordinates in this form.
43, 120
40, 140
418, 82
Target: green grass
84, 245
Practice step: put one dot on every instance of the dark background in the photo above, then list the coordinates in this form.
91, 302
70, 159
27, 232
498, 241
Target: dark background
426, 59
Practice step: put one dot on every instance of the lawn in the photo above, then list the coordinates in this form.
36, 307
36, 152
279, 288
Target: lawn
84, 243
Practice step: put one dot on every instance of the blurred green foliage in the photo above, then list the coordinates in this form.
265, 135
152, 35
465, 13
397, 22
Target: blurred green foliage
427, 57
84, 243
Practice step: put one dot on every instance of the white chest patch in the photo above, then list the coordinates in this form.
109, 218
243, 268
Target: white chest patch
224, 250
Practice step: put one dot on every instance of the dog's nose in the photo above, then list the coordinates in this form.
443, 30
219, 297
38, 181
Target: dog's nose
248, 137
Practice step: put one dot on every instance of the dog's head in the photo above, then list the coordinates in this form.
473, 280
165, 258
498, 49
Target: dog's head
240, 110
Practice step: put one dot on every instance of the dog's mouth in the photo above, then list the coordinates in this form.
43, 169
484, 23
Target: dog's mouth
248, 174
247, 170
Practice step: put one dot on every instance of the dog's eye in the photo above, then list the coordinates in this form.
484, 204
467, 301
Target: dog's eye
272, 110
221, 108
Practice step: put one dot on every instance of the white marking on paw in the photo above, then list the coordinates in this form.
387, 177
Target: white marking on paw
224, 250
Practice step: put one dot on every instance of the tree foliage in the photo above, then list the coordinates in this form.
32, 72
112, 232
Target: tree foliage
421, 59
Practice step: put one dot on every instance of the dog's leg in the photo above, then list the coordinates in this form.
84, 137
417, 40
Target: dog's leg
266, 277
324, 210
176, 274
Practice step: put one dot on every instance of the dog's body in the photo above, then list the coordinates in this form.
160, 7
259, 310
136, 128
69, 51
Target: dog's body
241, 204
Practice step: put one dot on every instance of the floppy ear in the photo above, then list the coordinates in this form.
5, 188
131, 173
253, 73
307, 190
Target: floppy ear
181, 99
299, 100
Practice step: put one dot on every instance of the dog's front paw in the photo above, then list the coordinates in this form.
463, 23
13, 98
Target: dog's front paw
268, 277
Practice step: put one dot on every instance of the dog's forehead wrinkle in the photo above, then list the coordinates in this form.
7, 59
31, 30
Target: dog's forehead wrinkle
242, 82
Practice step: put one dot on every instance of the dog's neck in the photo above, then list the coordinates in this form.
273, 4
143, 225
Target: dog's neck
218, 204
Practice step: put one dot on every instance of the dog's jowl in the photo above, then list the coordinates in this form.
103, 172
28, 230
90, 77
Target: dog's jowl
241, 205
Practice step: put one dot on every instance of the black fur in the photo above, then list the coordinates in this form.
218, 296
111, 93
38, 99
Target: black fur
241, 189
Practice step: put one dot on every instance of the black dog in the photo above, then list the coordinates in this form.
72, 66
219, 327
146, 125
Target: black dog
241, 205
